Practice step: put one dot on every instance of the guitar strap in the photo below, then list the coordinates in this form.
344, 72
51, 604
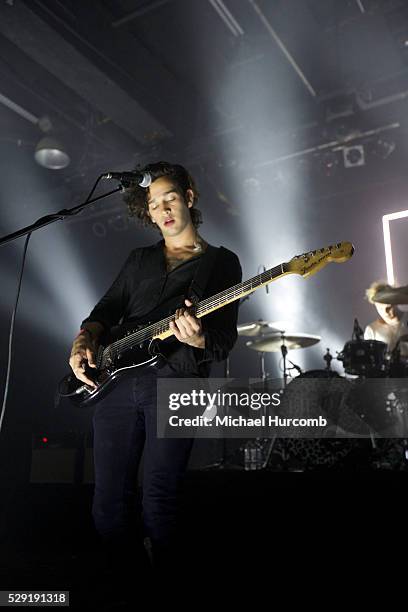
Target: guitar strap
202, 274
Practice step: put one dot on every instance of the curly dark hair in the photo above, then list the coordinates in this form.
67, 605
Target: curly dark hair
136, 196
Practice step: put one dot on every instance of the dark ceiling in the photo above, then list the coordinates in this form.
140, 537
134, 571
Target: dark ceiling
142, 77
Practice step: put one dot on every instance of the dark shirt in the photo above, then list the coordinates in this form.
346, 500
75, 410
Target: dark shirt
144, 283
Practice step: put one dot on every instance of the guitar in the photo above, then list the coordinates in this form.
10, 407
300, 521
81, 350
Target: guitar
130, 348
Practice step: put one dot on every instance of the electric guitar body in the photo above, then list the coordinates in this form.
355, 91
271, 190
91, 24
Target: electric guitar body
122, 352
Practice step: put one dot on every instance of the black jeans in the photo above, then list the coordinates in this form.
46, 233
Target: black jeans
125, 424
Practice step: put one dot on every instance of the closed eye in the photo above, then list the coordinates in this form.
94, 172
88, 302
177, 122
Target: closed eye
154, 205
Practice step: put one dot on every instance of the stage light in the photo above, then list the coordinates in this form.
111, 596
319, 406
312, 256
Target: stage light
353, 156
227, 17
384, 148
50, 153
329, 163
387, 242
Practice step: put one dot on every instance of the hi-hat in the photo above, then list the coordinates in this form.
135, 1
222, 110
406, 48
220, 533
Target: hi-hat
393, 295
272, 343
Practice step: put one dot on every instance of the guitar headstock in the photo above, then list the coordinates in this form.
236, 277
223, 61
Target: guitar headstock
309, 263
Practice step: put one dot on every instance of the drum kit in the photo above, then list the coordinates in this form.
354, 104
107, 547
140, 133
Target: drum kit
373, 409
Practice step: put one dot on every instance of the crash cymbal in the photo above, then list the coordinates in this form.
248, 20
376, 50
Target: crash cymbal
255, 328
394, 296
272, 343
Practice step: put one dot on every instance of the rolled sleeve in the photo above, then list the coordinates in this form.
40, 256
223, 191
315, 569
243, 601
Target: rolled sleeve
220, 326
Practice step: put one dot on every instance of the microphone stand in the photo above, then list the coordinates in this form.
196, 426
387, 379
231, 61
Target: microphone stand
284, 352
222, 461
27, 231
58, 216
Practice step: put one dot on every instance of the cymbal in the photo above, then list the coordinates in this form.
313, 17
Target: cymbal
271, 343
283, 326
394, 296
255, 328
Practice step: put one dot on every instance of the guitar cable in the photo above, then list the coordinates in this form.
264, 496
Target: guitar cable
11, 334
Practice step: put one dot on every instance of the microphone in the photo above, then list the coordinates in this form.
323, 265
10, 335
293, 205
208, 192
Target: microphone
143, 179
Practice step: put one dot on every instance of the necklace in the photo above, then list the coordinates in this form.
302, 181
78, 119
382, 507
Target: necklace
198, 245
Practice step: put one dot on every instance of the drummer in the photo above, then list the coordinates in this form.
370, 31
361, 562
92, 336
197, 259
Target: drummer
391, 324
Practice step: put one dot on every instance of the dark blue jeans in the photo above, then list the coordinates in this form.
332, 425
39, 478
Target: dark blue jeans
125, 424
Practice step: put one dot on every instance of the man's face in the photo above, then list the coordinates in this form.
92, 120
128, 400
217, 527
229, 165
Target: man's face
387, 312
167, 207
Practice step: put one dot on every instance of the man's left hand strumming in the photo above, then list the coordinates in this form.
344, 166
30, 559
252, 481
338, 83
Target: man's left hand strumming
187, 328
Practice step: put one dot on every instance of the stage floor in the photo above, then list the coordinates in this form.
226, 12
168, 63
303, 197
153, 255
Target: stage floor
237, 526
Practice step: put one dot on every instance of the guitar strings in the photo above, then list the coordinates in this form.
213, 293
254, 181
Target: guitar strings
162, 326
159, 327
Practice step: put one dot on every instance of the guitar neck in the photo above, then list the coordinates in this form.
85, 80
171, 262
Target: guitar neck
305, 265
219, 300
161, 329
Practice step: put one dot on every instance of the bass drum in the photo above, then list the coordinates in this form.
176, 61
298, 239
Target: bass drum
398, 367
309, 395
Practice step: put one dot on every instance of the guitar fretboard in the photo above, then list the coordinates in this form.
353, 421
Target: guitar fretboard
203, 307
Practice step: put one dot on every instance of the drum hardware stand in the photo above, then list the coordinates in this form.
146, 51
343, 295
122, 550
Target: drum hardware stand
269, 451
262, 366
328, 359
263, 378
222, 462
272, 440
372, 438
284, 352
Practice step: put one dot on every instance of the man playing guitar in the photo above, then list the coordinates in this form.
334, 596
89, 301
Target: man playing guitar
125, 421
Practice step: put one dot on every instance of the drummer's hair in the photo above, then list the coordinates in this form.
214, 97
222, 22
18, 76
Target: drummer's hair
374, 288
